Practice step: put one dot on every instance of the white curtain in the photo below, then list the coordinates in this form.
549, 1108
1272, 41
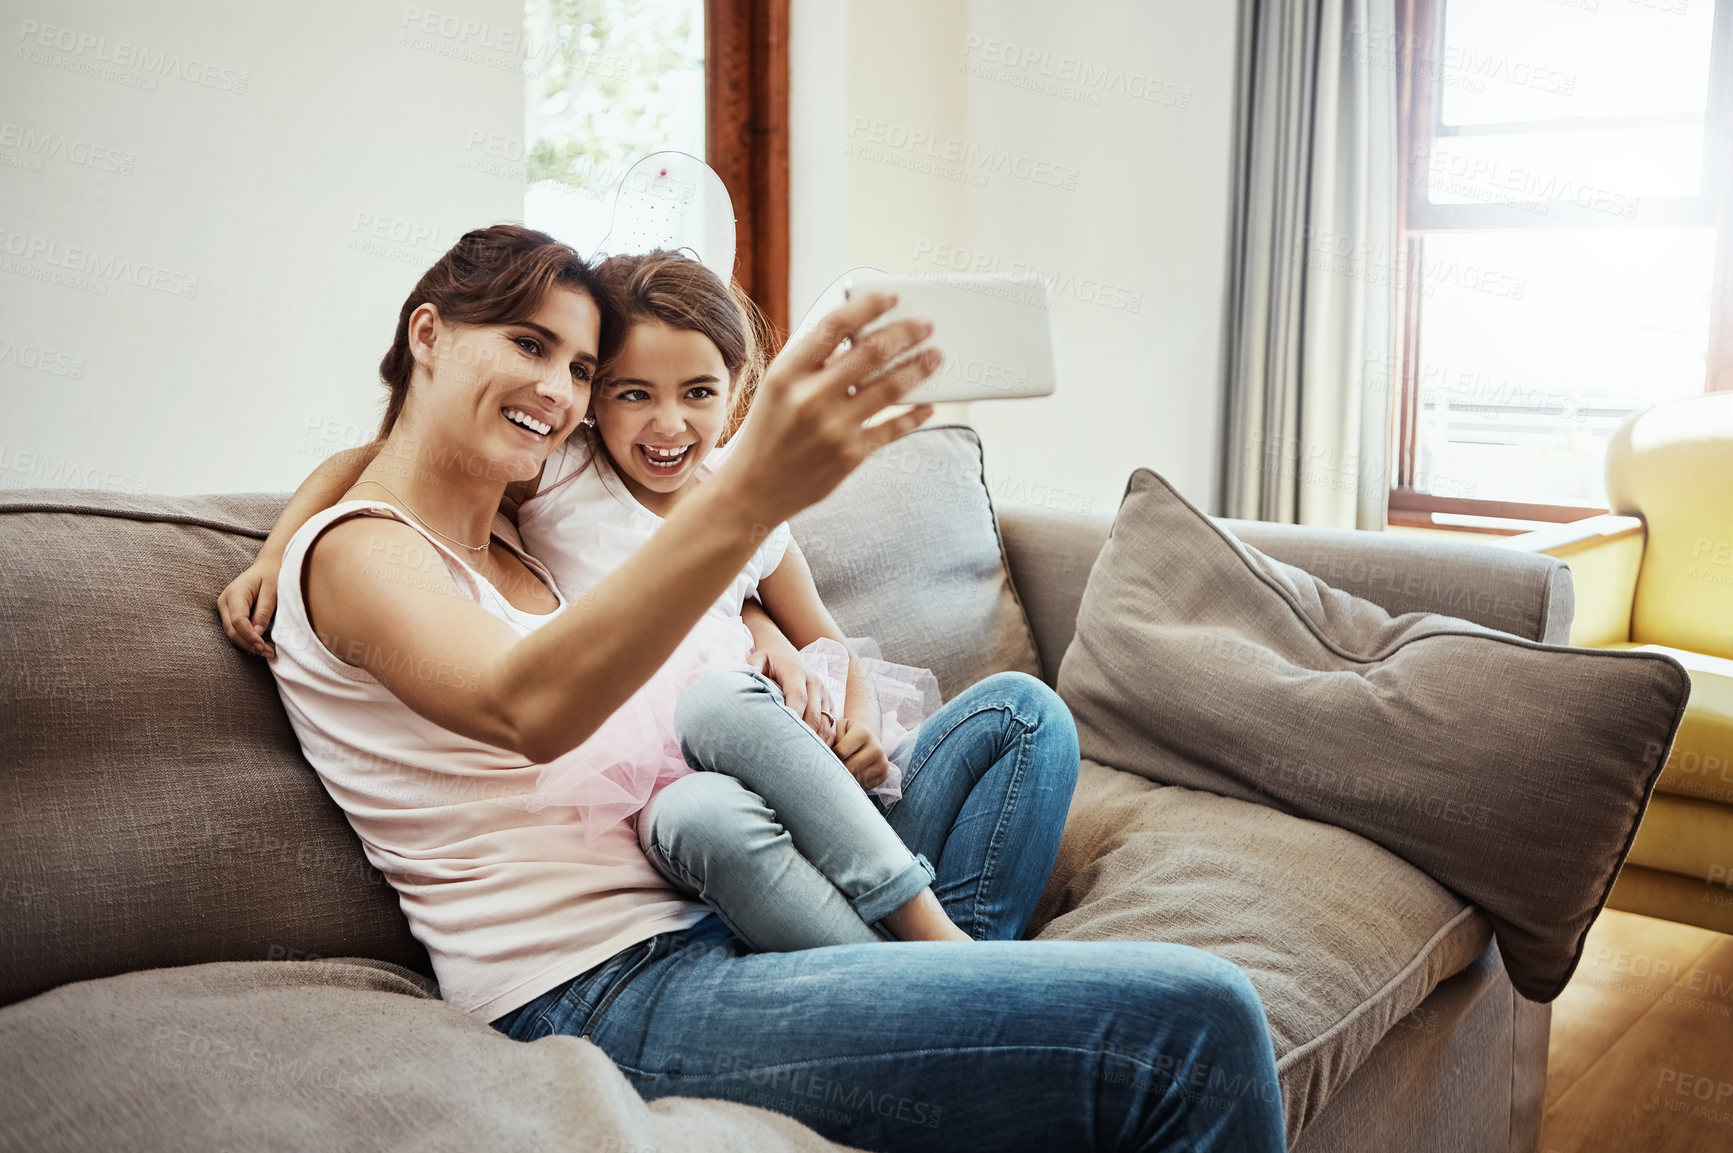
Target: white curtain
1314, 264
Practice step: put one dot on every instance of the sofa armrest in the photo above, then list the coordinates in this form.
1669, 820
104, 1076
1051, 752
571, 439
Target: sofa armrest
1604, 554
1050, 554
1521, 593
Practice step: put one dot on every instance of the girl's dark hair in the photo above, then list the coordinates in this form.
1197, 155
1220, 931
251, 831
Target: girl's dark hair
495, 275
677, 290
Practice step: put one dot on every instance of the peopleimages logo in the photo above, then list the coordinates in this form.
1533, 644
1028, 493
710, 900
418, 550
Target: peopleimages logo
1071, 77
86, 262
1061, 283
397, 238
39, 358
47, 145
1527, 189
998, 377
504, 38
58, 472
874, 139
1378, 263
70, 42
1454, 64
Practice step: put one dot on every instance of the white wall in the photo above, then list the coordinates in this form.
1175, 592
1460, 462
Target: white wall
335, 151
1102, 135
236, 198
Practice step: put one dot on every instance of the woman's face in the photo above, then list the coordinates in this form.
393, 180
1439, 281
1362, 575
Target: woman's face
511, 393
662, 407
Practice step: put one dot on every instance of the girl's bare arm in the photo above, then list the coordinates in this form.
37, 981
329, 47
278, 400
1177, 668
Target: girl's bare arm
791, 599
802, 689
247, 604
245, 607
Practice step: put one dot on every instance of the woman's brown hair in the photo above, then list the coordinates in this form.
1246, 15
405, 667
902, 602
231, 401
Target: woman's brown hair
495, 275
677, 290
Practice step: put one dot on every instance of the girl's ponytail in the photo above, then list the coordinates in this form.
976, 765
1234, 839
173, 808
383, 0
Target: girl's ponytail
760, 337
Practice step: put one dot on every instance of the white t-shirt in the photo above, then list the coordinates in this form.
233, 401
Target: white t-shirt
583, 523
510, 898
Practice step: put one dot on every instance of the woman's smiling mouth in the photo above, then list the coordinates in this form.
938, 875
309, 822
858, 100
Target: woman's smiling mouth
527, 422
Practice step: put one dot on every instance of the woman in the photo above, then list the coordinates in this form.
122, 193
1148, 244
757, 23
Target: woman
416, 642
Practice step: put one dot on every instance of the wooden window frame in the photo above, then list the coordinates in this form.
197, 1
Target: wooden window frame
746, 140
1422, 26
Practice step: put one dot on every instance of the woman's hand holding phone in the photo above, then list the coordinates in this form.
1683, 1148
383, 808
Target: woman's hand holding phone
809, 423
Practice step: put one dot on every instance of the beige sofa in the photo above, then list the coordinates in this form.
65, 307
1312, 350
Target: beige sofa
176, 887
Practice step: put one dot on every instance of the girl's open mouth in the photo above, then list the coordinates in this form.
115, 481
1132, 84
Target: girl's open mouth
663, 461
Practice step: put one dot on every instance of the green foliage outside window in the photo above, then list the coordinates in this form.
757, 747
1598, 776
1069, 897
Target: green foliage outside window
609, 81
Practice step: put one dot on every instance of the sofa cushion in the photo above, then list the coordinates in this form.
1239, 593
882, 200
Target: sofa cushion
907, 551
325, 1055
1513, 772
1465, 1071
1341, 938
157, 809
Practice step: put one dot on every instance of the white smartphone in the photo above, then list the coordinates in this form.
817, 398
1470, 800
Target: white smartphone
996, 333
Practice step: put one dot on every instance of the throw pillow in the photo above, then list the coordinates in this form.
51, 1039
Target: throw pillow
1512, 772
907, 551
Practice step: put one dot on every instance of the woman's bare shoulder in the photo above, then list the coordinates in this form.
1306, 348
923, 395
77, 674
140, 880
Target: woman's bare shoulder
373, 551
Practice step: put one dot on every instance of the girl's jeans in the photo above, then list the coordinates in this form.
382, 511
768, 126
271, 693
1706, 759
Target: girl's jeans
782, 842
995, 1045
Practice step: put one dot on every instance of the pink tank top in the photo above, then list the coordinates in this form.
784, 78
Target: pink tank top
508, 896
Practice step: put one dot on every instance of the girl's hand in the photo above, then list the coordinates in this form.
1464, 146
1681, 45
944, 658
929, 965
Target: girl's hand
802, 690
246, 606
860, 753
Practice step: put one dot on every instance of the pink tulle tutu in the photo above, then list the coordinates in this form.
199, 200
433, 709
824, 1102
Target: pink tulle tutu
907, 695
612, 775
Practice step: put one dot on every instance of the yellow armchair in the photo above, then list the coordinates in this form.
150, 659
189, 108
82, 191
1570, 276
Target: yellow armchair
1659, 575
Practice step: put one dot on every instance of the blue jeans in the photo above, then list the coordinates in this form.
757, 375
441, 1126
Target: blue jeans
780, 840
996, 1045
773, 833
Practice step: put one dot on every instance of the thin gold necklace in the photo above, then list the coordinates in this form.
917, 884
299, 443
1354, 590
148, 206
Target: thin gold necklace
482, 547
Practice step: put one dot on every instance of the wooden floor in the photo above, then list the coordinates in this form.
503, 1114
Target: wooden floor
1641, 1059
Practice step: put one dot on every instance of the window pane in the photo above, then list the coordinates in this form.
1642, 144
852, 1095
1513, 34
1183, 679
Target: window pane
1535, 345
606, 83
1608, 170
1505, 61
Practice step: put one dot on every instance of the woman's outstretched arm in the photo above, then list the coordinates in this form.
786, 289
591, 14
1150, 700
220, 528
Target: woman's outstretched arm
246, 605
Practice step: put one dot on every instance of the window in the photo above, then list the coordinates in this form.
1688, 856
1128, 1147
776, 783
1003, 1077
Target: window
1565, 171
609, 81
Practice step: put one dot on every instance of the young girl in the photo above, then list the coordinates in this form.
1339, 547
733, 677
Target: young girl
789, 859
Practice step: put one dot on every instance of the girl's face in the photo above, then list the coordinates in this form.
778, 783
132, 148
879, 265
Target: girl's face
661, 408
510, 393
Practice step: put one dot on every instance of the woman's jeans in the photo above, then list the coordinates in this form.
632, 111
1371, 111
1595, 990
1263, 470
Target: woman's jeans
994, 1045
782, 842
